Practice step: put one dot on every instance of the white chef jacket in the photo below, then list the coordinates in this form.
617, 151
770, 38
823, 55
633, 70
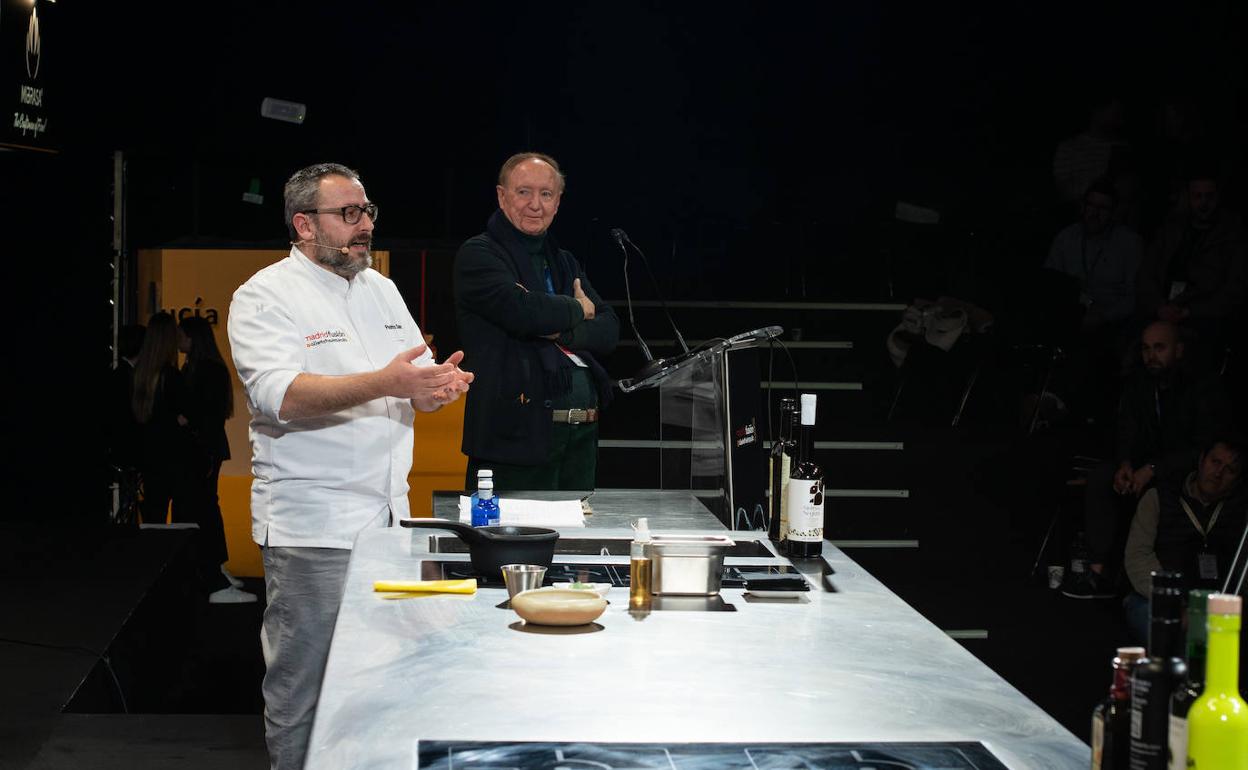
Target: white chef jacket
318, 482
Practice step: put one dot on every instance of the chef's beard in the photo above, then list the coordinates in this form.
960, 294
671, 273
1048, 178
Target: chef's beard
346, 265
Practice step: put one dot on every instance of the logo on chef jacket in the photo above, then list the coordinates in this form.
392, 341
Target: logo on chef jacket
394, 326
321, 338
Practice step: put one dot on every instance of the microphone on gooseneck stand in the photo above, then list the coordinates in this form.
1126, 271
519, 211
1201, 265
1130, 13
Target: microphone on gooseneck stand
680, 338
652, 365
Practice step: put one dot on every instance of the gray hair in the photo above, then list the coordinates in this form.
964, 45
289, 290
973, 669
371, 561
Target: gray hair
303, 187
515, 160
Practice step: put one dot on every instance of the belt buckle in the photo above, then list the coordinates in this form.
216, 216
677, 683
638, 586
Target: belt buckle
577, 416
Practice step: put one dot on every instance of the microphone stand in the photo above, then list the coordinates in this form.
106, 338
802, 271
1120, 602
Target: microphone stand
680, 339
651, 365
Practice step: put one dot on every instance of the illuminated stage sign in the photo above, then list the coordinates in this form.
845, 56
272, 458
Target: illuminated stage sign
27, 43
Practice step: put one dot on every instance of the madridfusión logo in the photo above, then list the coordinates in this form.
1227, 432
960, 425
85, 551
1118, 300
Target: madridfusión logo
320, 338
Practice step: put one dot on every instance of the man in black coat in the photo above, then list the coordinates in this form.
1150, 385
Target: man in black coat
532, 328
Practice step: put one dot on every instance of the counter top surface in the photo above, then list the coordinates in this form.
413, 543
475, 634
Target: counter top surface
849, 662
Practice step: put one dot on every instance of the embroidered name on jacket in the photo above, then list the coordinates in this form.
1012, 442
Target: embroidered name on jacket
320, 338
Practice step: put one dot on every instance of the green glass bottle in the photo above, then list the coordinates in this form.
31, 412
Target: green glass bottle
1217, 724
1183, 698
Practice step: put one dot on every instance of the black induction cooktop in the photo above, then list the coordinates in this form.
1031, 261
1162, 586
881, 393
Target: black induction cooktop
469, 755
615, 574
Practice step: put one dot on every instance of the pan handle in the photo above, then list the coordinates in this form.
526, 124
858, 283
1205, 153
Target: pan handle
466, 533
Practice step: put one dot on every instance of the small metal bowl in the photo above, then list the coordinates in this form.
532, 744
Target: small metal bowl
522, 577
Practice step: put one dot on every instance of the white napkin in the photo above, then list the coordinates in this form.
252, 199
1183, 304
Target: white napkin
519, 512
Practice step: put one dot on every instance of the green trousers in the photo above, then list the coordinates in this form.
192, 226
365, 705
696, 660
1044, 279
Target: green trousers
573, 459
571, 464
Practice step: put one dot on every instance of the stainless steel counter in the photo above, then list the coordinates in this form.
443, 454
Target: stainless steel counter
852, 664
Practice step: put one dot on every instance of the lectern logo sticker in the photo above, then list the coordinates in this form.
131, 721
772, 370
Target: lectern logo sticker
34, 44
746, 434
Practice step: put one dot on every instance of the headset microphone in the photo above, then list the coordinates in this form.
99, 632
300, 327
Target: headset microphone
343, 249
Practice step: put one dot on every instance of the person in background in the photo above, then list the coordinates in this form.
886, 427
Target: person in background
123, 429
1193, 526
209, 403
158, 403
1103, 256
1165, 415
1195, 271
533, 328
334, 367
1089, 155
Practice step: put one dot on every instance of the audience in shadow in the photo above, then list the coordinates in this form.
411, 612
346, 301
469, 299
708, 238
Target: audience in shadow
1194, 271
1192, 525
1166, 412
180, 414
209, 402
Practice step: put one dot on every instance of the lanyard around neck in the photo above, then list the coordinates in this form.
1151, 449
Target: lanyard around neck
1213, 519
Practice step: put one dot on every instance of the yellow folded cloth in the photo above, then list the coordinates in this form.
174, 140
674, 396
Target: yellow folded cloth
465, 586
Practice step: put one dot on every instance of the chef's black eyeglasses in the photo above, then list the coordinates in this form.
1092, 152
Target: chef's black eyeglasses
350, 214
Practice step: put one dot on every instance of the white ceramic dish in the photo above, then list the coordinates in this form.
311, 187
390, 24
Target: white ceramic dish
599, 588
558, 606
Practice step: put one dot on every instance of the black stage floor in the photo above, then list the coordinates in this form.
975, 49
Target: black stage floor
111, 658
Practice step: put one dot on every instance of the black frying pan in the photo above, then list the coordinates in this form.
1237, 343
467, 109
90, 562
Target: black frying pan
492, 547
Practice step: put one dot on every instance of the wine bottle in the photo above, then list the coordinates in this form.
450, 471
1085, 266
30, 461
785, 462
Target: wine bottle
1217, 724
1111, 719
1183, 698
779, 467
805, 493
1156, 676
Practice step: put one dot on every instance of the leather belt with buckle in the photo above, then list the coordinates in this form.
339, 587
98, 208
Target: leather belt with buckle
575, 416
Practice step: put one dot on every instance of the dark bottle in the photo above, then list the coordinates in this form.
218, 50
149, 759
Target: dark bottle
1111, 719
1183, 698
779, 467
1158, 675
805, 493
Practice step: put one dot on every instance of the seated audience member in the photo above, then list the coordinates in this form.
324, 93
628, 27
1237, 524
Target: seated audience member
1102, 256
1192, 526
1087, 156
1193, 272
1165, 415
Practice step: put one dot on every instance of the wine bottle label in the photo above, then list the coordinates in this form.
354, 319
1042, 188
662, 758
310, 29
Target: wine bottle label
1139, 702
1178, 743
805, 499
1098, 740
1148, 734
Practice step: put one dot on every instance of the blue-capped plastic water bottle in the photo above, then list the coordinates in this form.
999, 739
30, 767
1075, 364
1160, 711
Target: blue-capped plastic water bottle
484, 473
485, 510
